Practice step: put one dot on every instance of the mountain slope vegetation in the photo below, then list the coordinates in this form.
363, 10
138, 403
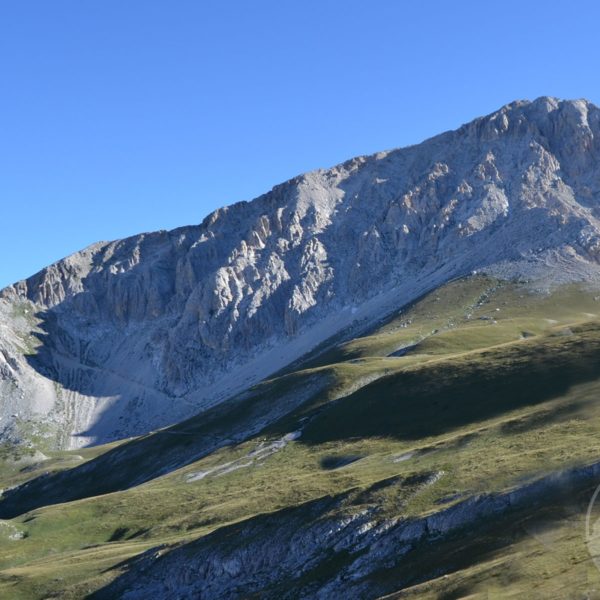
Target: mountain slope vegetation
449, 451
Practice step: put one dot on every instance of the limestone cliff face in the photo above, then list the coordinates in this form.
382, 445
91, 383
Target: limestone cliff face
136, 333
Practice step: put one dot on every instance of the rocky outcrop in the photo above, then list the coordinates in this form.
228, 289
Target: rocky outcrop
323, 550
141, 332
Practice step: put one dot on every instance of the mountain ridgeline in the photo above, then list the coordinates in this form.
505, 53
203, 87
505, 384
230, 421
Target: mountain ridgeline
128, 336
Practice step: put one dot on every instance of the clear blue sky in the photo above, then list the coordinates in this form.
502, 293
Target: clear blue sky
118, 116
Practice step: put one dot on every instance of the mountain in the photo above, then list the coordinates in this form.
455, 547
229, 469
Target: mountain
451, 451
375, 381
132, 335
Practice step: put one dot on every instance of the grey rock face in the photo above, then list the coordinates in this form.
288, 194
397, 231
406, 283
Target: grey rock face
134, 334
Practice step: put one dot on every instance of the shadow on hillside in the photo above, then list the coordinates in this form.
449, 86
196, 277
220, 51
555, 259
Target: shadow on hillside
437, 398
144, 458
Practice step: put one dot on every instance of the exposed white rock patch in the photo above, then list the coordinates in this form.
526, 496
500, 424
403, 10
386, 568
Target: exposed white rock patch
403, 457
10, 531
262, 451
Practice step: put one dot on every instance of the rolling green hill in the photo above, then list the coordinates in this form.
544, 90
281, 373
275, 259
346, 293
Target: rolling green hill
450, 452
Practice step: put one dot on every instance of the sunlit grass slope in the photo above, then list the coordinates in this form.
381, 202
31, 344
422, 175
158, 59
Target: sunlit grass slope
482, 383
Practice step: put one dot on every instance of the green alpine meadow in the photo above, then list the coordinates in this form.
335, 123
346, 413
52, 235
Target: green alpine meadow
379, 380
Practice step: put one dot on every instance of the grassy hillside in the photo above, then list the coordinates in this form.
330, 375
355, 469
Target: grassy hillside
477, 388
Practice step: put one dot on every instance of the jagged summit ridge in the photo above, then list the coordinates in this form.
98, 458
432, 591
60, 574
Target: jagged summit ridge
147, 330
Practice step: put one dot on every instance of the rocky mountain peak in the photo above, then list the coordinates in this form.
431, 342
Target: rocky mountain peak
137, 333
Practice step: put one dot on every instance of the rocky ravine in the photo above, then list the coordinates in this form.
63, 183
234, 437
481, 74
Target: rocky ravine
130, 335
